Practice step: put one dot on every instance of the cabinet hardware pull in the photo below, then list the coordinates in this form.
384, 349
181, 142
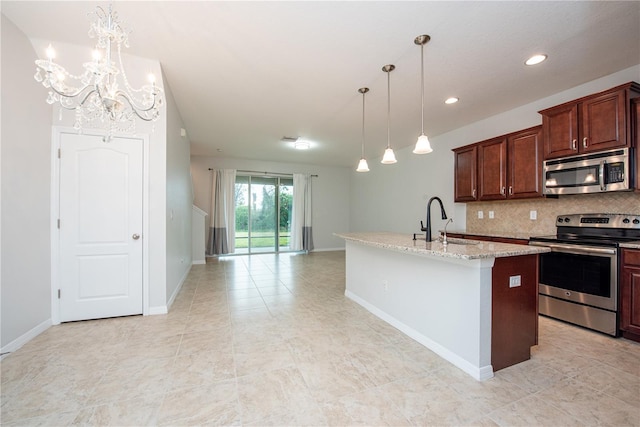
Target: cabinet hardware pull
584, 142
510, 190
503, 191
574, 144
473, 193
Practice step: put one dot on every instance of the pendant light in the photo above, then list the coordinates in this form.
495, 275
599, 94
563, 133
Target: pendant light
362, 165
423, 146
389, 157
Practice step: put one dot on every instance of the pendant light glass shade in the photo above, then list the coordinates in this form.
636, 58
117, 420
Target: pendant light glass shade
423, 146
389, 157
362, 165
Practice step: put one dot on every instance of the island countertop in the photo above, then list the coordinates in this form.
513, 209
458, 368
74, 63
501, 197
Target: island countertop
456, 248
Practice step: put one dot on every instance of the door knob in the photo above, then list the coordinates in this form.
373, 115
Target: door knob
135, 236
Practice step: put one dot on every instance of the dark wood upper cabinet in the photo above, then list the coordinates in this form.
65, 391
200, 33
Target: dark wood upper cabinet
525, 150
506, 167
492, 169
593, 123
635, 114
466, 160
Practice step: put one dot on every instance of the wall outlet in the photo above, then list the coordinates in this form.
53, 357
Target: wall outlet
515, 281
533, 215
491, 215
480, 214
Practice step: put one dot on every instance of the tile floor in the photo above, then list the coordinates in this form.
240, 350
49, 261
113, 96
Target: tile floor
271, 340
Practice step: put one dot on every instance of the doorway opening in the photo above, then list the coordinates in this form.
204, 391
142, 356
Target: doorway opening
263, 214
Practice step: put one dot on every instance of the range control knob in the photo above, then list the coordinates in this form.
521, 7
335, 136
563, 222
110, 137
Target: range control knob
626, 221
560, 220
567, 219
636, 221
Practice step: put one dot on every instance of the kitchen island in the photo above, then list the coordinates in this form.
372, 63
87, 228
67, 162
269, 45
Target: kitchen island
473, 303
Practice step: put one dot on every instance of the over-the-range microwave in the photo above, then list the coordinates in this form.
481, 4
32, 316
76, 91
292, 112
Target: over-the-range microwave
599, 172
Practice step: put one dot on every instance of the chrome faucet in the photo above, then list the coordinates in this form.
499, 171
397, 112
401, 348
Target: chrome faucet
444, 235
428, 227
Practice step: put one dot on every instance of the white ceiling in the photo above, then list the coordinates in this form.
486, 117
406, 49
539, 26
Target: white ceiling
245, 74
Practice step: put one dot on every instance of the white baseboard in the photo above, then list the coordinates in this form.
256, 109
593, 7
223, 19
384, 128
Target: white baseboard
177, 290
202, 262
329, 249
159, 309
479, 373
26, 337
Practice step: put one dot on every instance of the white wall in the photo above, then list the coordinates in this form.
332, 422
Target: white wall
26, 174
393, 197
330, 193
179, 200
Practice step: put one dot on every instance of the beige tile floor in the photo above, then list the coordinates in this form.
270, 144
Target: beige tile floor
271, 340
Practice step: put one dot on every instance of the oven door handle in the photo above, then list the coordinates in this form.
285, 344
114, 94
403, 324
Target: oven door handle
576, 248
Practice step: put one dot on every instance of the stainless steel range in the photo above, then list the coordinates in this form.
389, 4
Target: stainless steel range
579, 277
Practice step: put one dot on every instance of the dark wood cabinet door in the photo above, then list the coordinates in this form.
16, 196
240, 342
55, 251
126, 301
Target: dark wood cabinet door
603, 122
635, 109
630, 293
466, 160
492, 169
525, 164
560, 130
514, 310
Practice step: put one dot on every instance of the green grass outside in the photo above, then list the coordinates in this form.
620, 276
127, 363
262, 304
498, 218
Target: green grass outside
264, 239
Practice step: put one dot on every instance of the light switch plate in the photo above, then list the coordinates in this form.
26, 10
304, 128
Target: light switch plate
480, 214
491, 215
515, 281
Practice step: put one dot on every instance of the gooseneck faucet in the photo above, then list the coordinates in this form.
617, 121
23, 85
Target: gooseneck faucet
428, 227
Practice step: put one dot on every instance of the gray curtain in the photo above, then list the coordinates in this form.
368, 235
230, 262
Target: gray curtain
222, 233
301, 228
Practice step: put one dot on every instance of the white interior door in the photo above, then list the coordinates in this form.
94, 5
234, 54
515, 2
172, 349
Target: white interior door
100, 227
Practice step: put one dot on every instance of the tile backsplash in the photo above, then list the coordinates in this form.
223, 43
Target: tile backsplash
513, 216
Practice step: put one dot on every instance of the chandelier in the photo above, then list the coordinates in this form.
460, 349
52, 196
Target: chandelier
101, 96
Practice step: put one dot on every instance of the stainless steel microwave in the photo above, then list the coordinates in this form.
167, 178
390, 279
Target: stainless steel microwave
589, 173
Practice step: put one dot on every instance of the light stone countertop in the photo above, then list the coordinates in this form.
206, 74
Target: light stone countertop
457, 248
631, 245
503, 234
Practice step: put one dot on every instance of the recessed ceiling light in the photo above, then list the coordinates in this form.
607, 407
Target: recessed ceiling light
535, 59
451, 100
301, 144
296, 142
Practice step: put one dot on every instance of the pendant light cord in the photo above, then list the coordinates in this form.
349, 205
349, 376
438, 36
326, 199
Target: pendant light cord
363, 124
422, 85
388, 109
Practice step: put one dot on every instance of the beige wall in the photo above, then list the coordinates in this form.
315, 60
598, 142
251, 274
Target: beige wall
513, 215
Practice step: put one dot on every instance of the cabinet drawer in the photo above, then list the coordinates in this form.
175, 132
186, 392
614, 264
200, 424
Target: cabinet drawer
630, 257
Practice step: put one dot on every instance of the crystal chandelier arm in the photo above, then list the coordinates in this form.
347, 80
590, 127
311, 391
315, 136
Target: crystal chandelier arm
139, 111
52, 69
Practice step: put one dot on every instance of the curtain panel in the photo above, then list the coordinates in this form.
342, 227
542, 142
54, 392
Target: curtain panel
301, 228
222, 233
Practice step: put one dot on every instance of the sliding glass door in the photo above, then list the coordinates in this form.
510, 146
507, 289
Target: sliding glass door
263, 213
